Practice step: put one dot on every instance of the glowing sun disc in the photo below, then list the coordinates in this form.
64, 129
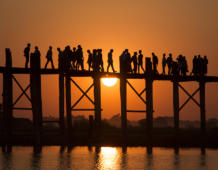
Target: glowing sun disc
109, 81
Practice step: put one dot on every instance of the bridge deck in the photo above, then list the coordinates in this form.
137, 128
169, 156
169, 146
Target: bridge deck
73, 73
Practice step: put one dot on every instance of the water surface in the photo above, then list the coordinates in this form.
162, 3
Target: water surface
111, 158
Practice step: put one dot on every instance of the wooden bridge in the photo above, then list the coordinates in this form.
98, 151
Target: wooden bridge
65, 80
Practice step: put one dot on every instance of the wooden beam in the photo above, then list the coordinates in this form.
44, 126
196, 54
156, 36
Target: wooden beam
123, 98
176, 105
7, 99
68, 108
202, 106
61, 96
97, 102
36, 96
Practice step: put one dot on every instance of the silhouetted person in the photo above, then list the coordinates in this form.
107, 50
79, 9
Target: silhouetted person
155, 62
134, 60
80, 60
140, 61
175, 69
95, 64
194, 66
100, 60
37, 52
49, 58
122, 59
73, 58
27, 55
169, 63
128, 61
205, 63
90, 59
180, 62
66, 58
110, 61
184, 68
200, 65
164, 62
60, 58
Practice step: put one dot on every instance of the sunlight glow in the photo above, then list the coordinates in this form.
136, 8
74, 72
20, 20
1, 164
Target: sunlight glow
109, 81
109, 158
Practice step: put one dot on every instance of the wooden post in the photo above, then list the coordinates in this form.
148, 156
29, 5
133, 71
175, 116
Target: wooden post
123, 104
176, 105
61, 96
68, 108
90, 134
7, 100
35, 90
149, 95
97, 101
202, 106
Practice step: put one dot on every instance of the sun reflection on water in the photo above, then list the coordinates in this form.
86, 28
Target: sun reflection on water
109, 158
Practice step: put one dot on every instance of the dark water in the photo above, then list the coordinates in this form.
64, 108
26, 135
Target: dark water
55, 157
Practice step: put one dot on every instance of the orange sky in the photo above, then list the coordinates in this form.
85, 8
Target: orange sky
187, 27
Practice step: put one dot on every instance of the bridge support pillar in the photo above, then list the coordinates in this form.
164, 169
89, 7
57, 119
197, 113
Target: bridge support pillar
176, 105
97, 102
149, 96
68, 108
61, 98
123, 105
202, 105
35, 90
7, 101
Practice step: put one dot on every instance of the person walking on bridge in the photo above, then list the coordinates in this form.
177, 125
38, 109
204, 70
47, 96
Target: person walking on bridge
155, 62
164, 63
134, 60
140, 62
49, 58
110, 61
27, 55
90, 59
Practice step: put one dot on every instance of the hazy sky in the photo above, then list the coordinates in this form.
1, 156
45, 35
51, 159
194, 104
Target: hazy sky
178, 26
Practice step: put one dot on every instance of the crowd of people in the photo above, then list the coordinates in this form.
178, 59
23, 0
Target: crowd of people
73, 59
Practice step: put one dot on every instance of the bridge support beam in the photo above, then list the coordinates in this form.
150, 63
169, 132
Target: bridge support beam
149, 96
61, 98
68, 108
202, 106
176, 105
97, 102
7, 101
123, 105
35, 90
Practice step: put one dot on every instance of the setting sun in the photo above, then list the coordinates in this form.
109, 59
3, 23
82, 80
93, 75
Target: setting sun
109, 81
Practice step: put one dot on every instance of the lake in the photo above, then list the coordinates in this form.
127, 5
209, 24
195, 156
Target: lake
111, 158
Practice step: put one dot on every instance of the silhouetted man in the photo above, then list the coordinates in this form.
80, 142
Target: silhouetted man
100, 59
128, 61
140, 61
27, 54
155, 62
80, 60
73, 58
164, 62
194, 66
110, 61
90, 59
49, 57
205, 61
134, 60
169, 63
60, 59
